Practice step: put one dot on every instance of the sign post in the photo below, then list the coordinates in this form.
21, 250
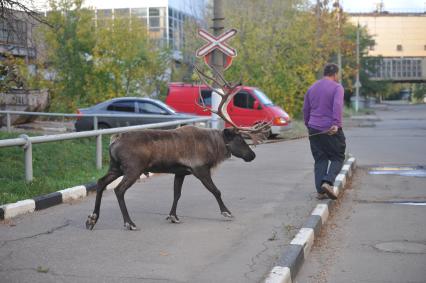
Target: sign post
216, 50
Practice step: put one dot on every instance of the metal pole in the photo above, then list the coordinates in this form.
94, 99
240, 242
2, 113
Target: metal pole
28, 159
95, 122
8, 123
99, 152
339, 53
357, 83
217, 59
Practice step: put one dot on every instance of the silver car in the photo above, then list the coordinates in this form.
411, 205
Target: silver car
138, 110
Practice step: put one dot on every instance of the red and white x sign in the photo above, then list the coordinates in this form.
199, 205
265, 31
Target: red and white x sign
216, 43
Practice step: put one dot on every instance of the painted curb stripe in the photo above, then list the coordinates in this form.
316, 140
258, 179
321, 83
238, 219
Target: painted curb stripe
90, 187
115, 183
294, 255
314, 222
279, 274
73, 193
18, 208
48, 200
341, 178
305, 238
322, 211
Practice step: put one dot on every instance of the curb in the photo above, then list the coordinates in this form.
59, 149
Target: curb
293, 256
11, 210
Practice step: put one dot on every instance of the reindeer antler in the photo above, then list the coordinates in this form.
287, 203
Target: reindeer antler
228, 91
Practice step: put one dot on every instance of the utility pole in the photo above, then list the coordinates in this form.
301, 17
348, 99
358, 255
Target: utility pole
217, 57
357, 82
339, 53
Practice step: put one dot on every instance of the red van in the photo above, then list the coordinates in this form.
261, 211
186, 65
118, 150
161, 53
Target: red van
248, 107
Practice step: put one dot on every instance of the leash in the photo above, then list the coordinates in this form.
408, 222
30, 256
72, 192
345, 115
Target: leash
320, 133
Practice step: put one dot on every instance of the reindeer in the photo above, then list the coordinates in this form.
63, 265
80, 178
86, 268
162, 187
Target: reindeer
183, 151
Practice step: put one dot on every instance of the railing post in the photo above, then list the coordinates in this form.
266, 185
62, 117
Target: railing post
28, 152
8, 122
99, 152
95, 122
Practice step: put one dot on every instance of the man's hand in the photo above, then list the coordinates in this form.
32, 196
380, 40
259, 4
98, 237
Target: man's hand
333, 130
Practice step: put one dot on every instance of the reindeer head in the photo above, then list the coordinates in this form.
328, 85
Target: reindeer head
234, 136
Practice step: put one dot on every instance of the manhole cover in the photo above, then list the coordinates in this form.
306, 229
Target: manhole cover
409, 171
402, 247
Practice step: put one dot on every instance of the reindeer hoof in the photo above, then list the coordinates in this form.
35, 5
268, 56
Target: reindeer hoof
227, 214
173, 219
91, 221
131, 227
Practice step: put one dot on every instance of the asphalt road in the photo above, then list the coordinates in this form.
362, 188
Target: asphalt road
378, 231
269, 197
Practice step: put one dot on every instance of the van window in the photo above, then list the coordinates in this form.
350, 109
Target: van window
207, 97
262, 97
244, 100
122, 106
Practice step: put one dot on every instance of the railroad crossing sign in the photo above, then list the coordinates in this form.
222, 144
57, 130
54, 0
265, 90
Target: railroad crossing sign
213, 43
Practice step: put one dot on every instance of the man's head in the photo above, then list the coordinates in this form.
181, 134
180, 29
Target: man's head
331, 71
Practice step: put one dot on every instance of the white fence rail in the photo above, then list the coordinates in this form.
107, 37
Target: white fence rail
27, 142
9, 113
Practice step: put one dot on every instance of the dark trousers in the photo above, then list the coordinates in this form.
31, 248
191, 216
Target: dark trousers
329, 155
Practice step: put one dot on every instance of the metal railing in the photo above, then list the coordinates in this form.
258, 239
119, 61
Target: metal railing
27, 142
9, 113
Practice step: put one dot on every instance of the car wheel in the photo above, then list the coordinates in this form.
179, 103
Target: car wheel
103, 126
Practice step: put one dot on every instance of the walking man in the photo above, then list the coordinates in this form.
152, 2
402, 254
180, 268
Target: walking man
323, 113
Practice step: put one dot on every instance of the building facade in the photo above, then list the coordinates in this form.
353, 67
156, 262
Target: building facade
16, 35
164, 18
400, 40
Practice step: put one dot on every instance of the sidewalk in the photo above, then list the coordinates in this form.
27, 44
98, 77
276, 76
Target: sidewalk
378, 234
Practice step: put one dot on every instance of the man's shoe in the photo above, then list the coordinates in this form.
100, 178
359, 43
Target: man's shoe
321, 196
328, 189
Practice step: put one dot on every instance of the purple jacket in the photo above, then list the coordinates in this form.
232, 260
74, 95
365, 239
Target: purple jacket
323, 105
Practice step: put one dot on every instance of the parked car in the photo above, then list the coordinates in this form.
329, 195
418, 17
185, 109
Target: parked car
248, 107
145, 111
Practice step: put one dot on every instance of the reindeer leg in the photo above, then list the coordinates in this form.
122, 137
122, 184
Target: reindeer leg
111, 175
203, 174
177, 193
120, 190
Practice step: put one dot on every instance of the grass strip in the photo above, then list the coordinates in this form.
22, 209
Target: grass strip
56, 166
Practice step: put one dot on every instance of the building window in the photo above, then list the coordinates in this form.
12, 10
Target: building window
121, 13
399, 47
13, 32
139, 12
104, 13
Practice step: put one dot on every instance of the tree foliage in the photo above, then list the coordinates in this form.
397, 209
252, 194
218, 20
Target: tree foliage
283, 45
93, 61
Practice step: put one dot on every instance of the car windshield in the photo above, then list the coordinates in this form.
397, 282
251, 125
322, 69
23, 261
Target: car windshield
262, 97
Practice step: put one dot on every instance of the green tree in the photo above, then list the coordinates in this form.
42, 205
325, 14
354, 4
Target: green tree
69, 45
92, 61
126, 62
283, 45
